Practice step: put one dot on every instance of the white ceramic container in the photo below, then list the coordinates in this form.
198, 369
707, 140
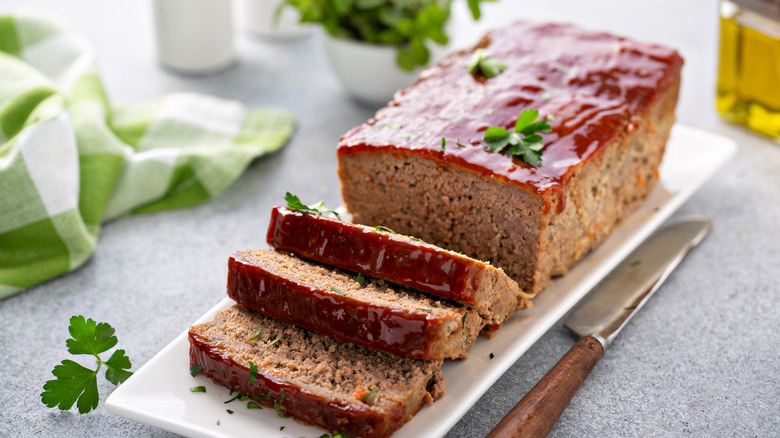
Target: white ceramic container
368, 71
259, 17
194, 36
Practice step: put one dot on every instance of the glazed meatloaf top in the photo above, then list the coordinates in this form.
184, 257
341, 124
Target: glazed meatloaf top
379, 252
596, 86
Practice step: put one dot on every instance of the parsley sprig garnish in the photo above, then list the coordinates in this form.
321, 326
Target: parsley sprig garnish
76, 383
294, 203
529, 147
482, 65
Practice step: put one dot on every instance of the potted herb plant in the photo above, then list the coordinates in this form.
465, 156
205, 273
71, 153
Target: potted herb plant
378, 46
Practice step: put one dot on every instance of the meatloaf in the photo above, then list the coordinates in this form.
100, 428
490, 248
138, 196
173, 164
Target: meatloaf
420, 166
318, 380
330, 301
381, 253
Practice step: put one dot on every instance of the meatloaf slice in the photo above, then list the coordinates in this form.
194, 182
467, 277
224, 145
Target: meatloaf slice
421, 165
380, 253
335, 385
330, 301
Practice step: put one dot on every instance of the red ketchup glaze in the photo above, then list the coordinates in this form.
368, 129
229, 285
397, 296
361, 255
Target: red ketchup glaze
374, 253
596, 85
401, 332
331, 414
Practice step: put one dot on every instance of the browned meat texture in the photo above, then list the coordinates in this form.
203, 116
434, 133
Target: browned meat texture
335, 385
331, 301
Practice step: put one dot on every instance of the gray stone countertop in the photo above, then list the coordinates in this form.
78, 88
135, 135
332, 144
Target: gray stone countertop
702, 358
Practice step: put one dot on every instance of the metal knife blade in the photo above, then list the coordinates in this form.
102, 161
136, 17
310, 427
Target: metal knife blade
612, 304
598, 320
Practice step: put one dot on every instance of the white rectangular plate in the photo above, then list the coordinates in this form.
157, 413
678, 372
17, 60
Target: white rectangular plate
159, 393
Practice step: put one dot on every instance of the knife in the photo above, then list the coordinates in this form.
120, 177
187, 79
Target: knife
597, 321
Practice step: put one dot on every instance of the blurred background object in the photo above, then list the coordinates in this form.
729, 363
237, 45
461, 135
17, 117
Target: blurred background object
268, 19
194, 36
749, 70
376, 47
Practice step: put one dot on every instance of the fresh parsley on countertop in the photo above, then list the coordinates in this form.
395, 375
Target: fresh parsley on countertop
76, 383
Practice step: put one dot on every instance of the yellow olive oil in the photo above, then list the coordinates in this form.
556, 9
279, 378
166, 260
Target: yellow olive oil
749, 68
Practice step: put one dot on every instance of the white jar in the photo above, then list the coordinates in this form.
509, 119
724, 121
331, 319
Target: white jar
194, 36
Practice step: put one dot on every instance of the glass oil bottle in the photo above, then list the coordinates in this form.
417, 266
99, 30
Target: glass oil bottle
749, 70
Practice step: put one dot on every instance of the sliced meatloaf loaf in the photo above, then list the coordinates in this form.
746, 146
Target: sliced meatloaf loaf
381, 253
421, 165
318, 380
330, 301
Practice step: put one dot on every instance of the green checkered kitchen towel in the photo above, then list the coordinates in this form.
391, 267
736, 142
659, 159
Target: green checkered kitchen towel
69, 160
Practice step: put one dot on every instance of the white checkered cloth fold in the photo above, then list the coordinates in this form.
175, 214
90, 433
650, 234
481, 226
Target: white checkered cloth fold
69, 160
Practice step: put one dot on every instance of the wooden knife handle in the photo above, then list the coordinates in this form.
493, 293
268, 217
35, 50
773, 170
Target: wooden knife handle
536, 414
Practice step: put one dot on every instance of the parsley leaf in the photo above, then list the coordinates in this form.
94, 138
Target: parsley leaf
361, 280
76, 383
294, 203
529, 148
278, 405
257, 333
365, 397
481, 65
275, 341
252, 372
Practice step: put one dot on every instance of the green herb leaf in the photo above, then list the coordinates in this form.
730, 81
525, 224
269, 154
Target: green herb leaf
257, 333
275, 340
294, 203
118, 365
89, 337
253, 405
361, 280
381, 228
237, 396
351, 318
492, 356
76, 384
217, 422
630, 307
443, 143
498, 138
198, 389
281, 428
278, 405
409, 26
463, 325
195, 370
635, 263
337, 291
529, 148
425, 310
365, 397
481, 65
252, 372
229, 411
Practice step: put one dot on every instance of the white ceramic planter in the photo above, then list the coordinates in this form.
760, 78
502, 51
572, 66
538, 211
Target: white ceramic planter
368, 71
258, 16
